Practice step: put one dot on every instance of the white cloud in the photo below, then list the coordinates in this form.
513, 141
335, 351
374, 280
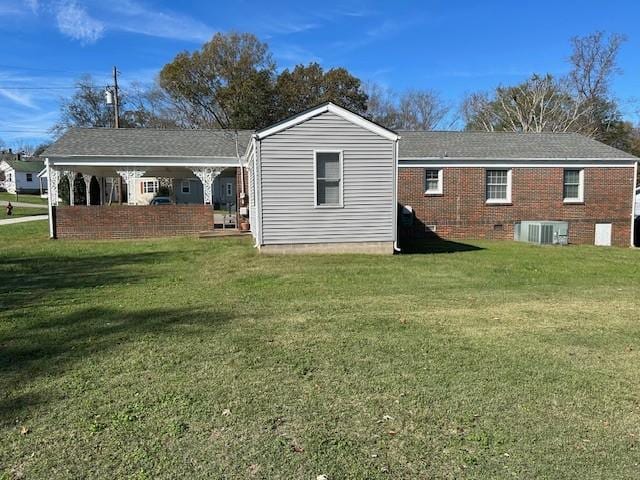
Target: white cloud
19, 98
136, 17
75, 22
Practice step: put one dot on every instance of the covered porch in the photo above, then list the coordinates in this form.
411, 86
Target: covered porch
107, 198
140, 183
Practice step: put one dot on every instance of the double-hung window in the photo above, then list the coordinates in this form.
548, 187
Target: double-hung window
328, 173
573, 186
185, 186
29, 177
150, 186
433, 181
498, 186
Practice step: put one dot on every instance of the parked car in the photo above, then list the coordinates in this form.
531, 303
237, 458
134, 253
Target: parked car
161, 201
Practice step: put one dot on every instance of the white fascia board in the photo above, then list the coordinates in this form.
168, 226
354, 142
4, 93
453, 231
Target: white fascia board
330, 107
515, 162
133, 161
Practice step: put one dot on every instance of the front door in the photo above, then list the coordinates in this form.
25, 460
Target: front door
603, 234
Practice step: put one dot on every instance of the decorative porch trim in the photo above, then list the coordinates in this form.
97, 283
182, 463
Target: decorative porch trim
87, 187
207, 175
71, 176
53, 179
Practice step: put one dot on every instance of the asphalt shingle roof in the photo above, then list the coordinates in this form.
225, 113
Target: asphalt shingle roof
504, 145
141, 142
29, 166
146, 142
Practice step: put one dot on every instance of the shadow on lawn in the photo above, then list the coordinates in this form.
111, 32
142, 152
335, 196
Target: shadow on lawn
435, 245
54, 345
27, 280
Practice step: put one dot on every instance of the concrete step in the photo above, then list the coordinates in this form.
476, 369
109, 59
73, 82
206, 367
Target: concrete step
227, 232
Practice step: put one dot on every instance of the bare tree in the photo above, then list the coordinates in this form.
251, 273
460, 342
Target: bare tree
540, 104
421, 110
594, 61
411, 110
380, 105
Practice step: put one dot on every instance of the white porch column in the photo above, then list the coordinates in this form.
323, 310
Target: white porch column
87, 186
71, 176
53, 177
130, 177
206, 176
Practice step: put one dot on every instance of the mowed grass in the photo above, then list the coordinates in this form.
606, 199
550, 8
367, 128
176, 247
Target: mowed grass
21, 212
186, 358
23, 197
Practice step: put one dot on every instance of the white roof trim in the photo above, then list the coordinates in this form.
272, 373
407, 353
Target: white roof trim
328, 107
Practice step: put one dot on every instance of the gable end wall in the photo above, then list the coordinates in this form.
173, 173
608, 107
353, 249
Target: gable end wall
289, 214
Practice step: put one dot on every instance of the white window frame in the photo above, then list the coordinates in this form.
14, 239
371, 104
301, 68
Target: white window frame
315, 179
580, 198
437, 191
229, 189
186, 183
145, 183
499, 201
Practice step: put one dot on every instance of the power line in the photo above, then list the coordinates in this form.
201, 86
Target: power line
11, 87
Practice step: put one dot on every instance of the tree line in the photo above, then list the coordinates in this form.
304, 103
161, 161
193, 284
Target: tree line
233, 82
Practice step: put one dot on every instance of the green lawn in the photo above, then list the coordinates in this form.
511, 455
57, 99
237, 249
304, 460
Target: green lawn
21, 212
27, 198
188, 358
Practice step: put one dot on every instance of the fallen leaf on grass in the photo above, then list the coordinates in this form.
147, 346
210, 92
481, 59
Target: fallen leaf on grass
226, 412
296, 448
24, 431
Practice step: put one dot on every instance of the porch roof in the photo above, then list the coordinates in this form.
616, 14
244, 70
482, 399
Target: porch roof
146, 143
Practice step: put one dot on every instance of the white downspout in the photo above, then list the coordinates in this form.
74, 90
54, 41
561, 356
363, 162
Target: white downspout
396, 248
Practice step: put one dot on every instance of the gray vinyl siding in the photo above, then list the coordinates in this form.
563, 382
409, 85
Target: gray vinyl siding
289, 214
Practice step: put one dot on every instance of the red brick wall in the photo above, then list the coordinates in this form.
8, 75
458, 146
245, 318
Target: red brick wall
132, 221
462, 213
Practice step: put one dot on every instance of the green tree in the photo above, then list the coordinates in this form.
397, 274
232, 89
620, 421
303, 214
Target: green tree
307, 86
228, 83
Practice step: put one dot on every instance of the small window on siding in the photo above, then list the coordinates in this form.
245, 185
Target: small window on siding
498, 186
229, 187
433, 181
149, 186
573, 186
29, 177
328, 171
186, 186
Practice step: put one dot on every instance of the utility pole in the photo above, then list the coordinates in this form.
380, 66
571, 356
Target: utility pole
116, 101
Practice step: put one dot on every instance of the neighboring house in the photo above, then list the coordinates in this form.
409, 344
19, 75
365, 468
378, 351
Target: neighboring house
19, 175
330, 180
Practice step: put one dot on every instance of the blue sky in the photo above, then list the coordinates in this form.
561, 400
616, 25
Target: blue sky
454, 47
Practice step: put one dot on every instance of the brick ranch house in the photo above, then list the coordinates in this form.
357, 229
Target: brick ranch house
328, 179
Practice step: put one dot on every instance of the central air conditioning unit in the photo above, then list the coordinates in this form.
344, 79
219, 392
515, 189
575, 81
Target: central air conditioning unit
542, 232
